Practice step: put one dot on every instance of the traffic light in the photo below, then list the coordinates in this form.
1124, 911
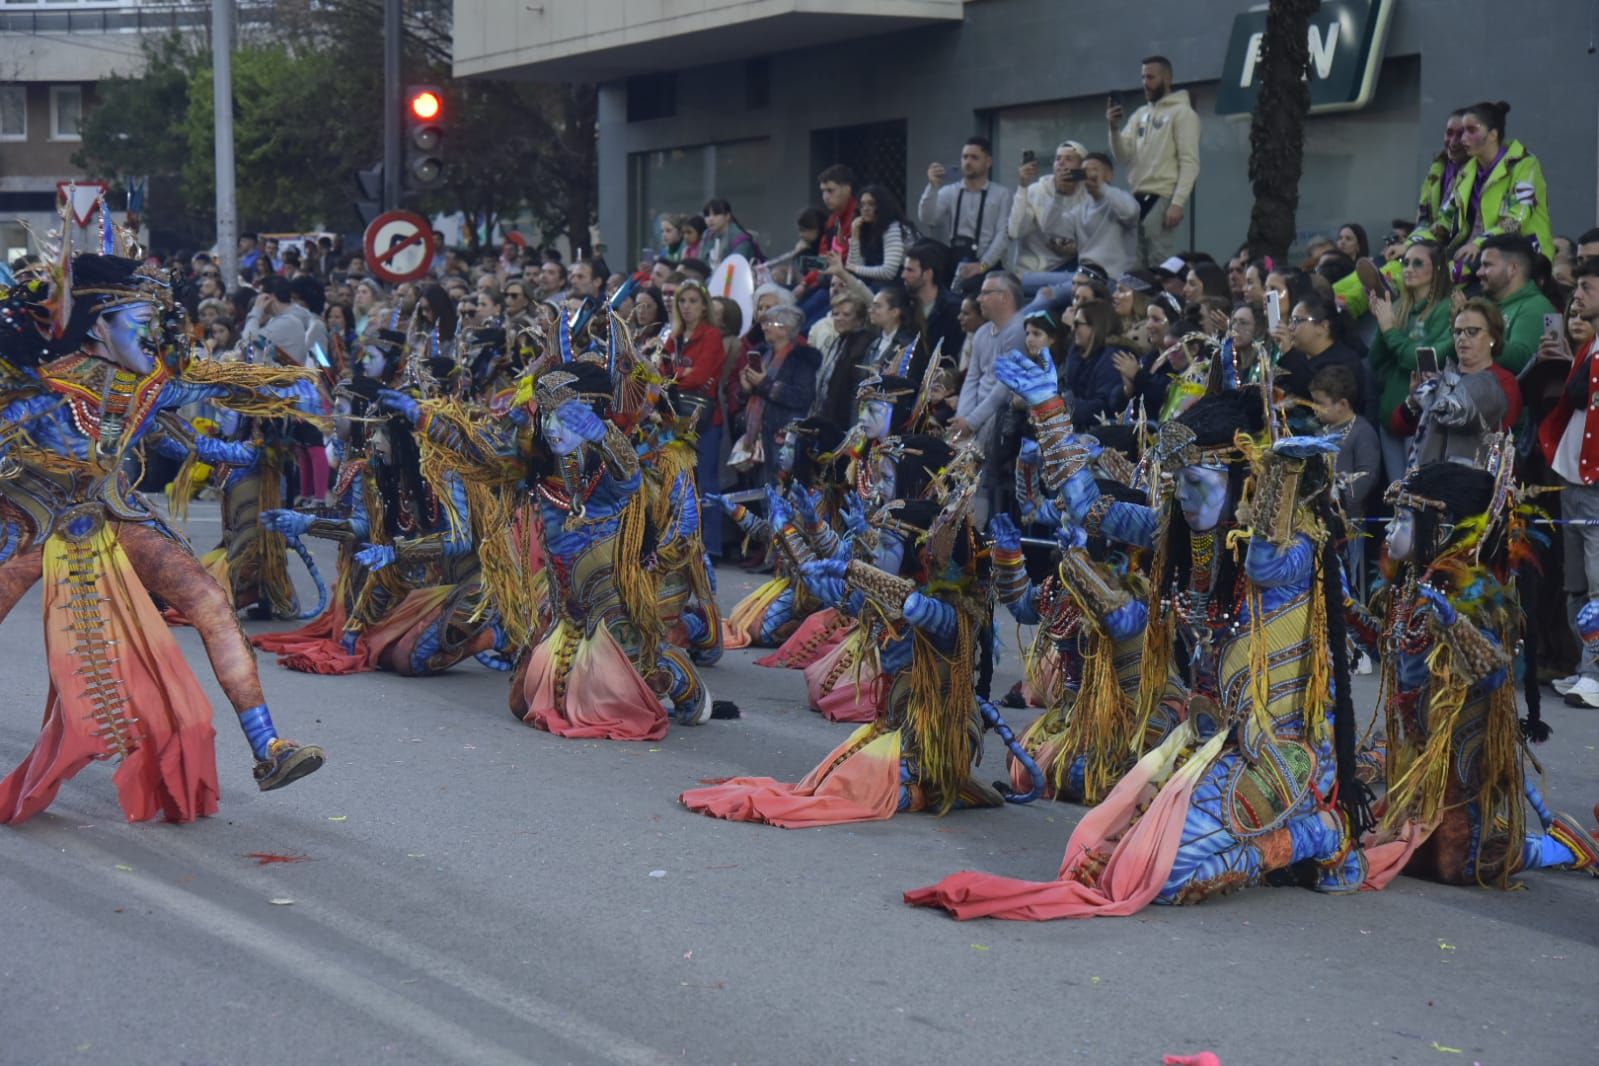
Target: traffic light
369, 202
424, 137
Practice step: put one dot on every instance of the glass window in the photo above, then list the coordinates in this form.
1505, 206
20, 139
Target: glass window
66, 112
1360, 166
13, 112
678, 181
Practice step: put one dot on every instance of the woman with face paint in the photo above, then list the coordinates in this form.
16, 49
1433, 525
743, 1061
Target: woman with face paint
923, 593
849, 682
1458, 797
885, 407
1242, 788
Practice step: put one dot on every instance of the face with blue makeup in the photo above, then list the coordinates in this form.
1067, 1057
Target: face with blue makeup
1402, 535
788, 453
374, 362
561, 439
875, 418
890, 552
1201, 495
126, 336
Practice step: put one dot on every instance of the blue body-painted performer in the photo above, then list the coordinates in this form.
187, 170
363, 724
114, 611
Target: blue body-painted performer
72, 410
1259, 779
922, 597
811, 486
1457, 789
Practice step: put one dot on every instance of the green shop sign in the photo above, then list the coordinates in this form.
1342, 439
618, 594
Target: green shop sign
1346, 47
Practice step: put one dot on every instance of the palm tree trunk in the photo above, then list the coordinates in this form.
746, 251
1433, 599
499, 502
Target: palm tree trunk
1277, 131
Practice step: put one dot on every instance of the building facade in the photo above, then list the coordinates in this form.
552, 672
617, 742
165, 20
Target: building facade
749, 99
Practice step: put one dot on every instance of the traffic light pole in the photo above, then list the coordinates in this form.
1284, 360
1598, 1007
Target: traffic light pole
391, 104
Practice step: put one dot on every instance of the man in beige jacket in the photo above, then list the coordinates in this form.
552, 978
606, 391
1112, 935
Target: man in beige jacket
1160, 147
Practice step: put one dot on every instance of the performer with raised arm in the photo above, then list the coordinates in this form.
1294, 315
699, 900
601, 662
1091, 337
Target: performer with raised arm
72, 410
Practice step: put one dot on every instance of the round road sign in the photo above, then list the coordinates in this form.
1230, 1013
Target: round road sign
399, 246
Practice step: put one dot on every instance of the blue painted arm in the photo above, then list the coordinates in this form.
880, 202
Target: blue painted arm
932, 616
1129, 523
1270, 566
1025, 609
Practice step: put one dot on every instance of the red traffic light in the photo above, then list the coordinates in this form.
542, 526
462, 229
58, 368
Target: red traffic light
425, 105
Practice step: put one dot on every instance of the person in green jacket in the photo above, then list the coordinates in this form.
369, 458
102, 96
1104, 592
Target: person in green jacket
1505, 270
1500, 191
1419, 317
1439, 184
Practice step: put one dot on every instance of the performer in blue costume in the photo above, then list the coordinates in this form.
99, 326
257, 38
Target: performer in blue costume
1259, 780
72, 411
1458, 791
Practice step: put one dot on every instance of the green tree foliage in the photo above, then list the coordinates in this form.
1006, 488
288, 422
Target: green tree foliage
308, 113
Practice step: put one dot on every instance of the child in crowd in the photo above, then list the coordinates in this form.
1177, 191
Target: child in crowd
1332, 392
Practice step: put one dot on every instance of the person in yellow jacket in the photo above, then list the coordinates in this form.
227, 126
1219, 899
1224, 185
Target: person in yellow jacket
1511, 199
1500, 191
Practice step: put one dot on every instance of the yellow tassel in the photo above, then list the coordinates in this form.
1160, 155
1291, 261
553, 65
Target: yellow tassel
939, 713
1318, 696
1099, 719
274, 568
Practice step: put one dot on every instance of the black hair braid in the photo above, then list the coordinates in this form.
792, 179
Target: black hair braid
1353, 795
1533, 727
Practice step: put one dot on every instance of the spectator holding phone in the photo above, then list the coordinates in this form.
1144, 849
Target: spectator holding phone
1160, 145
971, 216
1104, 226
1421, 316
1456, 408
1045, 254
783, 388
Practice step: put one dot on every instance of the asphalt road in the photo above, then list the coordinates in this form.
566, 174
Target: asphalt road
479, 892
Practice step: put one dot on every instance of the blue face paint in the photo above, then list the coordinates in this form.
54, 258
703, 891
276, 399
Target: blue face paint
374, 363
125, 335
890, 552
874, 418
787, 453
887, 479
1402, 535
1201, 494
561, 440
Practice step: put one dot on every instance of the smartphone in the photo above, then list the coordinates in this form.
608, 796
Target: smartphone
1551, 325
808, 263
755, 362
1029, 156
1426, 361
647, 254
1274, 310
